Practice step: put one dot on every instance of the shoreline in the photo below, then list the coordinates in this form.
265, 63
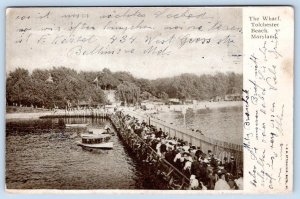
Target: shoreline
163, 108
155, 114
20, 115
157, 109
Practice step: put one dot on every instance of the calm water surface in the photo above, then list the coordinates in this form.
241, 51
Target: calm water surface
50, 160
225, 124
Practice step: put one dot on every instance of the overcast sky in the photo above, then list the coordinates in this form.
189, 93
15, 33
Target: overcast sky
194, 58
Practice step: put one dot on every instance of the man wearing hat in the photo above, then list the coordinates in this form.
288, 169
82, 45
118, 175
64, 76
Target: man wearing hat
209, 152
226, 164
198, 152
213, 161
169, 156
187, 164
177, 158
232, 166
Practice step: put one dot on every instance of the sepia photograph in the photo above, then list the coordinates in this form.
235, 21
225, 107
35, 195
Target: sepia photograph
124, 98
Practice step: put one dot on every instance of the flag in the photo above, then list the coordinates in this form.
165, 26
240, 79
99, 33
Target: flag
49, 79
96, 80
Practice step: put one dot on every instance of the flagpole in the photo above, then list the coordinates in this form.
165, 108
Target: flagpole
96, 80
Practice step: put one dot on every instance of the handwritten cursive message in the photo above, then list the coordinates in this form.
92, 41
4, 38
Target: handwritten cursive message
124, 31
193, 36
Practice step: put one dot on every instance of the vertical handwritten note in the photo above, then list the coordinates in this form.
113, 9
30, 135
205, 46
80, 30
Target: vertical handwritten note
268, 98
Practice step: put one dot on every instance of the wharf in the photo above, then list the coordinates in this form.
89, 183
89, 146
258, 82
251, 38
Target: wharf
166, 172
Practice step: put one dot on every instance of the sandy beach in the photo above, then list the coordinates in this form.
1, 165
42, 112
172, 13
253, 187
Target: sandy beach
153, 108
201, 105
10, 116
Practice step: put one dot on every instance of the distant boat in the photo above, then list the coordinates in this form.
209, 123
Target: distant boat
97, 141
76, 125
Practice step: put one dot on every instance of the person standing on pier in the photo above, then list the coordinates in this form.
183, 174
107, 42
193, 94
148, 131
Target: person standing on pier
159, 133
187, 164
198, 153
170, 155
232, 166
177, 159
226, 164
195, 168
163, 147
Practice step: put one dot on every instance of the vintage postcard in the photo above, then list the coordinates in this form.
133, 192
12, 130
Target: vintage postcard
149, 99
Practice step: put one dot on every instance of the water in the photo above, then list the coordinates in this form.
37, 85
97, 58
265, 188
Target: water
53, 160
225, 124
48, 160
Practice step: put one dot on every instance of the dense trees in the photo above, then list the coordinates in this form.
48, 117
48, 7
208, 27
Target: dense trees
66, 86
19, 86
189, 86
60, 85
128, 92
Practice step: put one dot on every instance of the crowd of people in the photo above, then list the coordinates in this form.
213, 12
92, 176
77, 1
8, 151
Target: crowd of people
205, 170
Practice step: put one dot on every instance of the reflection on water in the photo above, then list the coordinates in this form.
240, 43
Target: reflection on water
224, 124
53, 160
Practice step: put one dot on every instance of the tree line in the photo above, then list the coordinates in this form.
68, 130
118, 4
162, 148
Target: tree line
61, 86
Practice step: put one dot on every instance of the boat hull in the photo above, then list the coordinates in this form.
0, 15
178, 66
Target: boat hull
106, 145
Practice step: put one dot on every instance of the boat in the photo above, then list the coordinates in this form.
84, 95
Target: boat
101, 141
76, 125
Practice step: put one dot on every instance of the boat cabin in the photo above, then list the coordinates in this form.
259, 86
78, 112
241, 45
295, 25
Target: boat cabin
95, 139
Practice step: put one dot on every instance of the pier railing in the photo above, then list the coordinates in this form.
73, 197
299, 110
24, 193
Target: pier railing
220, 148
78, 113
175, 179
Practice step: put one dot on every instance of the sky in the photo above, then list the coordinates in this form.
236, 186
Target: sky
78, 37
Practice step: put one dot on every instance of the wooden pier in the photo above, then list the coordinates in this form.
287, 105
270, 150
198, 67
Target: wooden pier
171, 177
174, 179
94, 113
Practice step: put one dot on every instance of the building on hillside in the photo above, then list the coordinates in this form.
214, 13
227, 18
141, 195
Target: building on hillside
233, 97
83, 104
189, 101
217, 99
174, 101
